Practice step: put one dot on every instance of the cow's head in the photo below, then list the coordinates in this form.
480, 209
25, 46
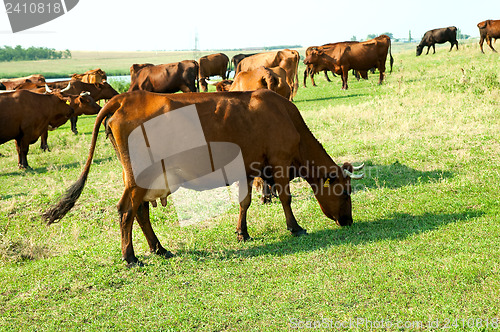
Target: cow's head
106, 91
419, 49
333, 192
314, 56
223, 85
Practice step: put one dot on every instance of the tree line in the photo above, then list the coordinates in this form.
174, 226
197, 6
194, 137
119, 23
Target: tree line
18, 53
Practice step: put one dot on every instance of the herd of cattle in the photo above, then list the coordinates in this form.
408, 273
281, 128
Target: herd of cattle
31, 107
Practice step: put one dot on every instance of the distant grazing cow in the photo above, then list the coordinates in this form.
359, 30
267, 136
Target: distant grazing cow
286, 59
248, 120
26, 115
210, 65
166, 78
488, 30
235, 60
438, 36
359, 56
273, 79
12, 83
91, 76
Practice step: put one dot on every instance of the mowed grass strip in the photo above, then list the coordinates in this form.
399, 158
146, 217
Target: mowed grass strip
424, 246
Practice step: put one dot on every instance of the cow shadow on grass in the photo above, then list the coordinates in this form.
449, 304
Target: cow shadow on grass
298, 101
396, 226
47, 169
396, 176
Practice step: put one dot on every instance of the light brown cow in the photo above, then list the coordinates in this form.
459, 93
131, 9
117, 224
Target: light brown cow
91, 76
12, 83
273, 79
247, 120
210, 65
286, 59
488, 30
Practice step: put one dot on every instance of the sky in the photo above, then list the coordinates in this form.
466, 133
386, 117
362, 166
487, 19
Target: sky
151, 25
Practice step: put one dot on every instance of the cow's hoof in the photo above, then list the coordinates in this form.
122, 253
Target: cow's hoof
243, 237
299, 232
135, 264
164, 253
75, 132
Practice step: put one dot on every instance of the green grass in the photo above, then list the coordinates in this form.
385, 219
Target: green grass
424, 246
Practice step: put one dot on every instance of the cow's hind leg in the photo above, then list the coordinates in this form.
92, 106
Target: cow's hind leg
326, 75
127, 209
488, 41
241, 228
22, 153
144, 221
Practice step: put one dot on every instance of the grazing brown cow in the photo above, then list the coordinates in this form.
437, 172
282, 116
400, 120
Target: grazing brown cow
246, 119
166, 78
210, 65
438, 36
488, 30
12, 83
361, 56
286, 59
273, 79
26, 115
91, 76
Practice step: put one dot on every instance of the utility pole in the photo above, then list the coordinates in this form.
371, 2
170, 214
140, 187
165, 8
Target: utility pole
196, 51
409, 36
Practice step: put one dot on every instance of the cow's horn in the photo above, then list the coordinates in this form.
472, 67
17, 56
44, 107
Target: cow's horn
85, 93
66, 88
353, 176
358, 168
47, 89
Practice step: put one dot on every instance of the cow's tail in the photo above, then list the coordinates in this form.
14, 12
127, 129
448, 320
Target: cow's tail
296, 78
68, 200
391, 59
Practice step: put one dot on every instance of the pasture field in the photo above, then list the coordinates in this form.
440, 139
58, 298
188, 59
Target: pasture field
424, 249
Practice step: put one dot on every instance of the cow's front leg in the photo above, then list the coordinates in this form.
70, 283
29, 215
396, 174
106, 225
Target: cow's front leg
283, 191
73, 121
345, 75
43, 141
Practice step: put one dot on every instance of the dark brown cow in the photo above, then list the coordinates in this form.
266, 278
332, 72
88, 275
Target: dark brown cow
135, 68
235, 60
361, 56
91, 76
98, 91
26, 115
211, 65
273, 79
167, 78
286, 59
488, 30
12, 83
438, 36
246, 119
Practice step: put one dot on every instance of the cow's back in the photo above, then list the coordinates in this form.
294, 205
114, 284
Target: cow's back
247, 119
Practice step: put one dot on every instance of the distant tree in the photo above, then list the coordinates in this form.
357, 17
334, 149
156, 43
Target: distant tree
371, 36
409, 36
67, 54
353, 38
460, 35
